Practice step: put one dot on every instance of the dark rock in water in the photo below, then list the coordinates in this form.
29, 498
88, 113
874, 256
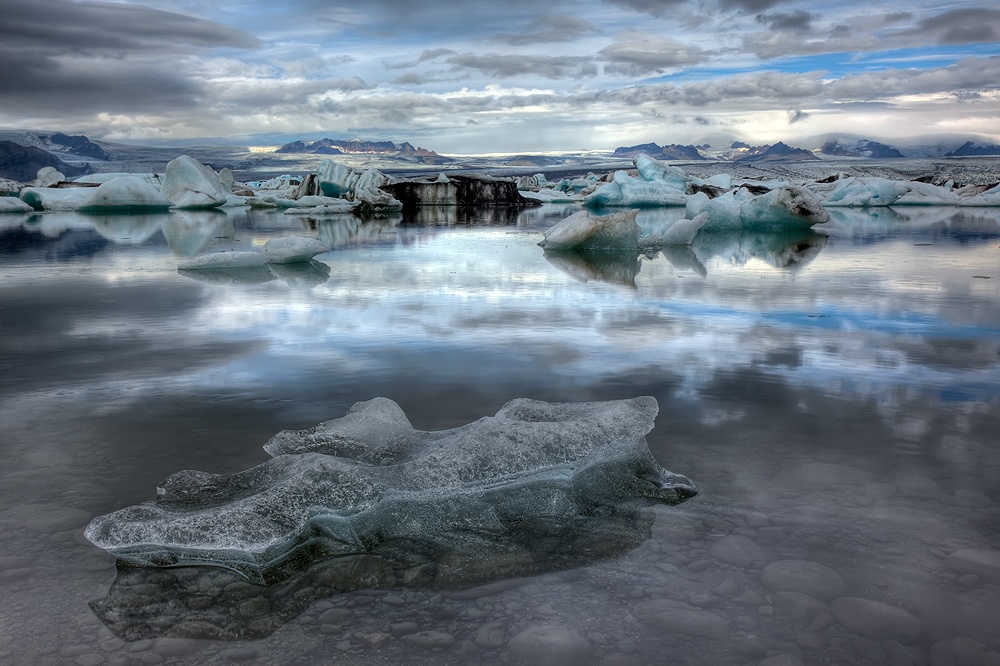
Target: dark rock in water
368, 483
458, 191
22, 163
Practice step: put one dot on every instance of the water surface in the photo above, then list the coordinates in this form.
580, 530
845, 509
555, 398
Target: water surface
835, 395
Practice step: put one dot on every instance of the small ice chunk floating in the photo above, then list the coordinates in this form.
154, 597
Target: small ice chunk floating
369, 483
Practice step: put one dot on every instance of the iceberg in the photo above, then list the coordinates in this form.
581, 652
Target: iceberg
127, 193
216, 260
681, 232
292, 249
283, 250
54, 198
783, 208
549, 195
624, 190
151, 178
190, 184
585, 231
14, 205
370, 483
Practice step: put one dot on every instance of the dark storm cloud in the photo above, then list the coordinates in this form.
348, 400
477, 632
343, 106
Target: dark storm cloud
654, 7
797, 21
502, 66
562, 28
101, 56
33, 83
637, 53
749, 6
796, 115
96, 28
960, 26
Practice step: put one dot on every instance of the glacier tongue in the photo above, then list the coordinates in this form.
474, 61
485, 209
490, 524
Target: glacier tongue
369, 480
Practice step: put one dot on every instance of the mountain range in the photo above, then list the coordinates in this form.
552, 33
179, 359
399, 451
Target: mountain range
362, 147
24, 152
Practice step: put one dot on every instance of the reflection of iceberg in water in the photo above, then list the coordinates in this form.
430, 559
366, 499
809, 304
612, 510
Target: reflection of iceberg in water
208, 602
961, 224
612, 267
303, 275
188, 233
127, 229
370, 483
787, 250
790, 250
682, 257
342, 230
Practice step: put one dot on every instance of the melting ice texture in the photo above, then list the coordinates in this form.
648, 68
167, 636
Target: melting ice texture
368, 481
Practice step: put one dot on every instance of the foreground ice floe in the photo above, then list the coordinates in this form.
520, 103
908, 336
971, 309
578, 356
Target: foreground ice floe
370, 483
283, 250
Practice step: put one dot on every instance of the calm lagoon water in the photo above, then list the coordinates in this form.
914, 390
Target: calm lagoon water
836, 397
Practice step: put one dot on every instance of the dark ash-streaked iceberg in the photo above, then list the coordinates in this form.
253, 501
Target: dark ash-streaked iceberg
369, 481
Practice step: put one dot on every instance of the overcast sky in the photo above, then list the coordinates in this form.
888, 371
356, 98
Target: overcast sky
471, 76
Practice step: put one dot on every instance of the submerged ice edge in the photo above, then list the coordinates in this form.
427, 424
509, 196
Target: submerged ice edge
369, 481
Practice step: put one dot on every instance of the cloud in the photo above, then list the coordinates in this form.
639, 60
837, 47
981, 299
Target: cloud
749, 6
559, 28
970, 25
638, 53
100, 28
98, 56
796, 115
653, 7
797, 21
502, 66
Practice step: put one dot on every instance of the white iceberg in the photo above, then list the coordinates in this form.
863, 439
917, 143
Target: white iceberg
336, 179
14, 205
283, 250
370, 483
292, 249
190, 184
48, 176
549, 195
224, 260
55, 198
151, 178
681, 232
586, 231
126, 193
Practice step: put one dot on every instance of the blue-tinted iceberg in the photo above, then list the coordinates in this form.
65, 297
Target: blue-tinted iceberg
369, 480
